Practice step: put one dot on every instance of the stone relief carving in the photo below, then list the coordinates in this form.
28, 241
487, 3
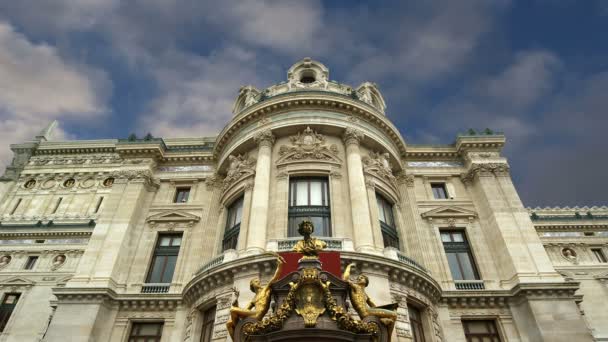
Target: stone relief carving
308, 145
378, 164
403, 178
5, 260
485, 170
76, 160
240, 166
58, 261
570, 255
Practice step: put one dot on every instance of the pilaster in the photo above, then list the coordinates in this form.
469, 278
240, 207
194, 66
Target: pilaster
412, 229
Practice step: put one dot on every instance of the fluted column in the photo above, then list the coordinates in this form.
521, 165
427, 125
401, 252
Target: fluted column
256, 235
364, 239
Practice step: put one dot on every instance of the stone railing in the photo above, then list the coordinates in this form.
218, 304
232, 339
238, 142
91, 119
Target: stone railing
211, 264
469, 285
155, 288
407, 260
284, 245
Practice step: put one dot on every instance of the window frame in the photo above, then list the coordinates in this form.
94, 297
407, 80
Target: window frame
30, 265
5, 318
390, 234
296, 212
599, 255
458, 247
207, 336
178, 190
420, 321
494, 322
443, 186
158, 337
232, 232
166, 252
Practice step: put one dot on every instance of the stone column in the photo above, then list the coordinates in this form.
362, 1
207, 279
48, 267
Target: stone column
364, 239
256, 236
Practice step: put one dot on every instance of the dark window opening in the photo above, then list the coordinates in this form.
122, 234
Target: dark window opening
99, 202
233, 225
599, 255
309, 200
146, 332
439, 191
164, 259
7, 307
480, 330
307, 77
459, 255
57, 205
16, 206
387, 222
208, 323
181, 195
30, 263
416, 324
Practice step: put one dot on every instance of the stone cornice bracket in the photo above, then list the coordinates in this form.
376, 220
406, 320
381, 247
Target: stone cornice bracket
352, 136
144, 176
264, 138
485, 170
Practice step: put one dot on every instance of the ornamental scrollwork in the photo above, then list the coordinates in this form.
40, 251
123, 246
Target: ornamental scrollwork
308, 145
485, 170
241, 166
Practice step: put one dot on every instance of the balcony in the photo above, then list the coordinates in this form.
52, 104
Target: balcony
469, 285
155, 288
285, 245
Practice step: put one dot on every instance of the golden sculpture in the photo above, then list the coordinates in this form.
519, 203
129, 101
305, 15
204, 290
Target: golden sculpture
259, 305
363, 304
309, 246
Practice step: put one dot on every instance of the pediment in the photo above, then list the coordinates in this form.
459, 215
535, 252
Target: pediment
449, 211
173, 216
16, 281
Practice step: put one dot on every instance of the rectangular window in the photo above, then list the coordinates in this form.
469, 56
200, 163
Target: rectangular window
599, 255
181, 195
208, 323
439, 191
387, 222
165, 257
480, 331
6, 308
146, 332
416, 324
30, 263
459, 255
309, 200
233, 224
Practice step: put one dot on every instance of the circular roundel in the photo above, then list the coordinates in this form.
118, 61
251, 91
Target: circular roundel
29, 184
108, 182
69, 183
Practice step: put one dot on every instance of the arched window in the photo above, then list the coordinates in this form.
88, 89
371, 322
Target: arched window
309, 200
387, 222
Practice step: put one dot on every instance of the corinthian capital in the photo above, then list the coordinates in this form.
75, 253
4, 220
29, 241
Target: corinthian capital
352, 136
264, 137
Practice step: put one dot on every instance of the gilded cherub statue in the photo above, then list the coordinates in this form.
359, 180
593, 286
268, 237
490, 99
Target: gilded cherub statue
309, 246
363, 304
259, 305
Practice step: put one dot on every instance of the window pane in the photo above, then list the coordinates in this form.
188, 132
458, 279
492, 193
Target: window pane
148, 330
454, 267
177, 241
157, 268
458, 237
302, 193
165, 241
238, 212
467, 266
169, 268
381, 210
445, 237
316, 197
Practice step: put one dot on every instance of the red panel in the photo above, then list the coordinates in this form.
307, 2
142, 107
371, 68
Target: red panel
330, 262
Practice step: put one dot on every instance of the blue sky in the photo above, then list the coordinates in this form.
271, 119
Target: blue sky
537, 70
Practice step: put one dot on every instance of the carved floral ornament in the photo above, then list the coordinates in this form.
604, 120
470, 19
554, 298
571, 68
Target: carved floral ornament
485, 170
308, 145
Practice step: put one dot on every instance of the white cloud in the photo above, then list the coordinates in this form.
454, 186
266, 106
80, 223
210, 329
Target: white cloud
37, 86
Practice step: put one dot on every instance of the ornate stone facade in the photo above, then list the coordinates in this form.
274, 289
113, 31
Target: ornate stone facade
81, 221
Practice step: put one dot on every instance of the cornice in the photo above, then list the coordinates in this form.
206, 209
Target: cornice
156, 302
480, 142
296, 101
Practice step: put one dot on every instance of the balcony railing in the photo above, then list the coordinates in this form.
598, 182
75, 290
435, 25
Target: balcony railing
212, 263
406, 260
155, 288
332, 244
469, 285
